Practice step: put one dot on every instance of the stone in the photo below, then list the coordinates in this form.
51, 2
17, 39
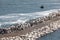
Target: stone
3, 31
3, 38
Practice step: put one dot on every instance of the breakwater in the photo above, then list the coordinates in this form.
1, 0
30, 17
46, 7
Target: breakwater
32, 29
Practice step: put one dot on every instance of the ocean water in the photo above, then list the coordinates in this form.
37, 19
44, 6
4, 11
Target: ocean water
52, 36
19, 11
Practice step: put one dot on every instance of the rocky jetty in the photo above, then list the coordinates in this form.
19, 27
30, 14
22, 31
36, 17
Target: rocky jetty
32, 29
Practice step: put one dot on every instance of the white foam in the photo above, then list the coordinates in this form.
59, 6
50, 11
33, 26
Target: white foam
20, 21
7, 16
13, 22
45, 13
7, 23
19, 14
33, 14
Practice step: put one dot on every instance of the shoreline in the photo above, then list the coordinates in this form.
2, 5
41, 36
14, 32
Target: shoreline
30, 27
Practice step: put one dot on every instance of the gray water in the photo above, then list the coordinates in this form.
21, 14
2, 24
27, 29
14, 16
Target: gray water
13, 11
27, 6
52, 36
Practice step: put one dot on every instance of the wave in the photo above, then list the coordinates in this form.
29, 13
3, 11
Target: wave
50, 3
7, 16
23, 17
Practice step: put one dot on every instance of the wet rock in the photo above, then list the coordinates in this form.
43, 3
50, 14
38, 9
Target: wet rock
45, 18
3, 31
40, 21
21, 28
9, 30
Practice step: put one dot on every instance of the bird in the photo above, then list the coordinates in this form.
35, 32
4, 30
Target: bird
42, 7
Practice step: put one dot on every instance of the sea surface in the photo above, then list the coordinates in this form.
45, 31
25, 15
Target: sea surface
52, 36
19, 11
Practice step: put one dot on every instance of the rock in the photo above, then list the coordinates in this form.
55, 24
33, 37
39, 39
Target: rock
45, 18
8, 30
3, 31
